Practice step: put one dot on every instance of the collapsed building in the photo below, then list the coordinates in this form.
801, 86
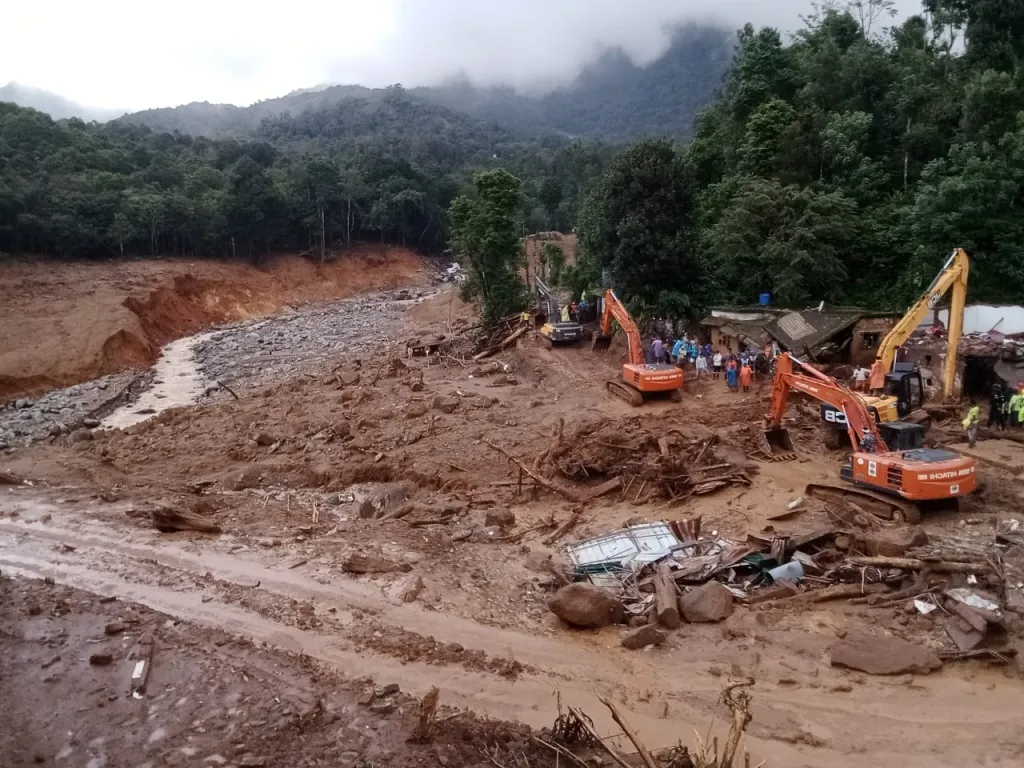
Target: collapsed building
829, 335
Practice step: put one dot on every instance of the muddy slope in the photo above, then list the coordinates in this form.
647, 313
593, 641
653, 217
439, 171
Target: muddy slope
66, 323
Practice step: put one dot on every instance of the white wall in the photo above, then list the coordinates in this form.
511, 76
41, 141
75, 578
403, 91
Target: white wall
982, 318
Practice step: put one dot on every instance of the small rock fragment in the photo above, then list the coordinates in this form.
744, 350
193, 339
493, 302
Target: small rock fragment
649, 634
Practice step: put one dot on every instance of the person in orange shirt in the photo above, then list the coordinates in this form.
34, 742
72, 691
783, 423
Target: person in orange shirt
746, 377
876, 382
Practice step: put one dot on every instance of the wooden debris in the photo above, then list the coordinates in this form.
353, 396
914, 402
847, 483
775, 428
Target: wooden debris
425, 717
9, 478
605, 488
835, 592
565, 527
144, 660
666, 597
641, 750
543, 482
168, 520
911, 564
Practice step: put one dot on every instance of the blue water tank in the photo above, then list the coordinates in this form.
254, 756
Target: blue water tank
764, 299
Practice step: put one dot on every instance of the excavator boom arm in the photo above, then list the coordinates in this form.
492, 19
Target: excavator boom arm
953, 276
613, 308
790, 375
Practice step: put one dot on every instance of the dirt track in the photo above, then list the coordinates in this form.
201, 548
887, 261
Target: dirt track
275, 470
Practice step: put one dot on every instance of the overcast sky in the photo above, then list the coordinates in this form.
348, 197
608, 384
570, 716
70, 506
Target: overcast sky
134, 54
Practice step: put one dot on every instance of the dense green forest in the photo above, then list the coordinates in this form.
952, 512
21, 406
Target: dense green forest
843, 162
847, 165
384, 169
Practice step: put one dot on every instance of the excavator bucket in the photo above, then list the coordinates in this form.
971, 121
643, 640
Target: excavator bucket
778, 443
601, 342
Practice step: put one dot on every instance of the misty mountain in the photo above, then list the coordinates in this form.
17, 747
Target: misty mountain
613, 98
52, 104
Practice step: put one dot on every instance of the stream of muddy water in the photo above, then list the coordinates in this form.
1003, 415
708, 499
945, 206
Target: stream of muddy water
177, 381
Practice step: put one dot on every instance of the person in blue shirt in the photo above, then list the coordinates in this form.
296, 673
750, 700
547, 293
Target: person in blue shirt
677, 350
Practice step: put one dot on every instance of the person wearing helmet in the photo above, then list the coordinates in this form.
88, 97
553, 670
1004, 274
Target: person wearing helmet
867, 441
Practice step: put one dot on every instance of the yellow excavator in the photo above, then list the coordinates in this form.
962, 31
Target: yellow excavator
903, 385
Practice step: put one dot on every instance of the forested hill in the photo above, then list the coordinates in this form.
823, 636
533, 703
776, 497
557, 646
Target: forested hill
612, 99
381, 169
55, 106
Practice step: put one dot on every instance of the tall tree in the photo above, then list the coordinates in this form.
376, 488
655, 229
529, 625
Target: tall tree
638, 222
485, 237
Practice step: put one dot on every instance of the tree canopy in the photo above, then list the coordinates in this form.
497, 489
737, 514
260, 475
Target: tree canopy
848, 164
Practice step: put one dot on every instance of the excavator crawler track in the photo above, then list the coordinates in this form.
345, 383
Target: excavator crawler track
880, 505
626, 392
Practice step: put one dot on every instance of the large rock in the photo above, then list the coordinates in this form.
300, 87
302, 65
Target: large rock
708, 602
878, 654
643, 636
584, 605
503, 518
246, 478
444, 404
894, 542
415, 410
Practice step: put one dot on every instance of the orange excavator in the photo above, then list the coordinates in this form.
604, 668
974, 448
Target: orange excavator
897, 479
640, 379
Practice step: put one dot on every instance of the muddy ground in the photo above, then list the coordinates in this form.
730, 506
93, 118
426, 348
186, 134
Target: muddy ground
377, 461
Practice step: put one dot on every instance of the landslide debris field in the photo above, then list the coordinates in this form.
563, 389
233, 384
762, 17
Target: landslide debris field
343, 511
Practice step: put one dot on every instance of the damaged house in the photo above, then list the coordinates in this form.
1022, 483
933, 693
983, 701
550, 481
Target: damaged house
825, 334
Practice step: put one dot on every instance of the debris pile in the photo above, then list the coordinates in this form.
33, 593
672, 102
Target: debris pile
664, 464
664, 573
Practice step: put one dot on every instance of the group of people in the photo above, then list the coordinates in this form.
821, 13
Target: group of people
1006, 406
578, 312
870, 379
739, 370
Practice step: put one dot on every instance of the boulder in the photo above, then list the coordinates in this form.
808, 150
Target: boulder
349, 378
894, 542
408, 589
444, 404
538, 562
81, 435
584, 605
504, 518
878, 654
264, 438
641, 637
243, 479
415, 410
708, 602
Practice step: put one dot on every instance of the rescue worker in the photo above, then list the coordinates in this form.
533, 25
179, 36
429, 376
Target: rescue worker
997, 406
868, 444
732, 374
1011, 409
971, 423
877, 381
565, 313
658, 350
702, 365
716, 365
746, 377
677, 350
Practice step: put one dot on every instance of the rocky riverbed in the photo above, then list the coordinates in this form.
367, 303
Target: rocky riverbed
237, 356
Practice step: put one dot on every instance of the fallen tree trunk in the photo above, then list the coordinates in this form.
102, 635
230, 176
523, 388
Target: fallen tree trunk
835, 592
911, 564
169, 520
666, 597
543, 482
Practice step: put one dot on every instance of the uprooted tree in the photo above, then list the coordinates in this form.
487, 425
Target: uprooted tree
485, 238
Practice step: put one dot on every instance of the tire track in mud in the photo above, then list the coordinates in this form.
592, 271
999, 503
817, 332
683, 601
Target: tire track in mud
204, 587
